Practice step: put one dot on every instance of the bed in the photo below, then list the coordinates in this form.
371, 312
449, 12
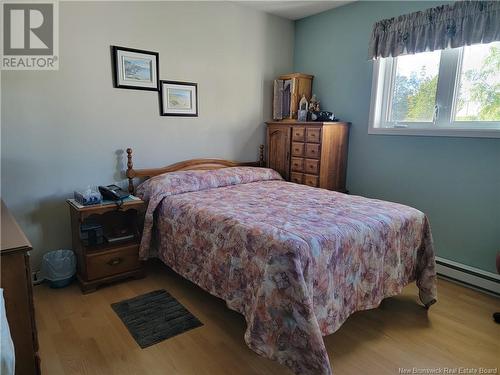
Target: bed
295, 261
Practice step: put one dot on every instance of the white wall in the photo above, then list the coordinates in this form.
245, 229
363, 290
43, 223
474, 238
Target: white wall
63, 130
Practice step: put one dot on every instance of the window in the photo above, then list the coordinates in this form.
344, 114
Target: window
452, 92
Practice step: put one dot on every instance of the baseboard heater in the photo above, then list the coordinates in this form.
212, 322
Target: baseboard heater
469, 276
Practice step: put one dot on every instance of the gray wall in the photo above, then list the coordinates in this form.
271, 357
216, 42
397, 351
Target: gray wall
67, 129
456, 181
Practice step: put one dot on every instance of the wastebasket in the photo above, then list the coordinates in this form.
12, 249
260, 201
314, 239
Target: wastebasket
58, 267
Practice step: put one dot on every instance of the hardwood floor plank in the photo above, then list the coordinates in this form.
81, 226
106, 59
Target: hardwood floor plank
81, 334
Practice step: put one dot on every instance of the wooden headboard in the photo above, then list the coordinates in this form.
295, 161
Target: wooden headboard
186, 165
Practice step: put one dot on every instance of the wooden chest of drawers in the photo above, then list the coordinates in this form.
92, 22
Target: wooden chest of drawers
310, 153
18, 294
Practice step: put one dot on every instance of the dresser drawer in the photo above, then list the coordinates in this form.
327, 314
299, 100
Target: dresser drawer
297, 164
298, 178
312, 150
112, 262
298, 134
313, 135
298, 149
310, 180
311, 166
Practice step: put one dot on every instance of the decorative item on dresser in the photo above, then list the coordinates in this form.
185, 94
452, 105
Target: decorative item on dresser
288, 90
310, 153
18, 294
117, 255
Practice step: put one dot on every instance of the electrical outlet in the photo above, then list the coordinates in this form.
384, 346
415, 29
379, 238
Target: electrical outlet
35, 278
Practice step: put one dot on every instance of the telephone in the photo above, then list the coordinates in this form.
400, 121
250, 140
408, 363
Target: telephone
113, 192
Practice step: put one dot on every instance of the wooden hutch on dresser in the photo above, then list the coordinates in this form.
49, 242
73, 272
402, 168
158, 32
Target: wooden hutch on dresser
310, 153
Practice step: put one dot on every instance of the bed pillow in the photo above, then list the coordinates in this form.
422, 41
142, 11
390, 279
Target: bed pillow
186, 181
154, 190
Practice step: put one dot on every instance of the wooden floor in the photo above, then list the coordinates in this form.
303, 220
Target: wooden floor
80, 334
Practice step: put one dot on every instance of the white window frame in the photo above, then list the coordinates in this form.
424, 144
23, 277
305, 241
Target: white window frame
443, 124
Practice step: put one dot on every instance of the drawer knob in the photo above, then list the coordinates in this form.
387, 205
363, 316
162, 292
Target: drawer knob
115, 261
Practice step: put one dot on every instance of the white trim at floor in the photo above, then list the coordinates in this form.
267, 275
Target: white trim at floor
470, 276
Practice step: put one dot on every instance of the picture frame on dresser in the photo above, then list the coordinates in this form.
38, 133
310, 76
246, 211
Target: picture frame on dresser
178, 98
135, 68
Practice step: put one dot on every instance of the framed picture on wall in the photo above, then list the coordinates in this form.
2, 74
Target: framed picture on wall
178, 98
135, 69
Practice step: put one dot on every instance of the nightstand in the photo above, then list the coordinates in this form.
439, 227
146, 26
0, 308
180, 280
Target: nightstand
115, 255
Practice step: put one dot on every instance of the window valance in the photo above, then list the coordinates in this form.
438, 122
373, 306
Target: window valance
447, 26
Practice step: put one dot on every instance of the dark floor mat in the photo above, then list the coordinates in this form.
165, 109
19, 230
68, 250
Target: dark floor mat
154, 317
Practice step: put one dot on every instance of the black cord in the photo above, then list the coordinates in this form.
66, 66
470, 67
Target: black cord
119, 203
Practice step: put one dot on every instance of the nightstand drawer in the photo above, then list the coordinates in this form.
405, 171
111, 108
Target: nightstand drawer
112, 262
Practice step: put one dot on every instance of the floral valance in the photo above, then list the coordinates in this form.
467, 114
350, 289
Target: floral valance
447, 26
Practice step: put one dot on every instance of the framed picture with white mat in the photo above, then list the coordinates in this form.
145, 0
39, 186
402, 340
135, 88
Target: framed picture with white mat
135, 69
178, 98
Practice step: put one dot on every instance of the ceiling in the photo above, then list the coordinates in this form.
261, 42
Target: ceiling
294, 10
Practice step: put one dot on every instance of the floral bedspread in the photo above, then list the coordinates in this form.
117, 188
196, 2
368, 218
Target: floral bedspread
296, 261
